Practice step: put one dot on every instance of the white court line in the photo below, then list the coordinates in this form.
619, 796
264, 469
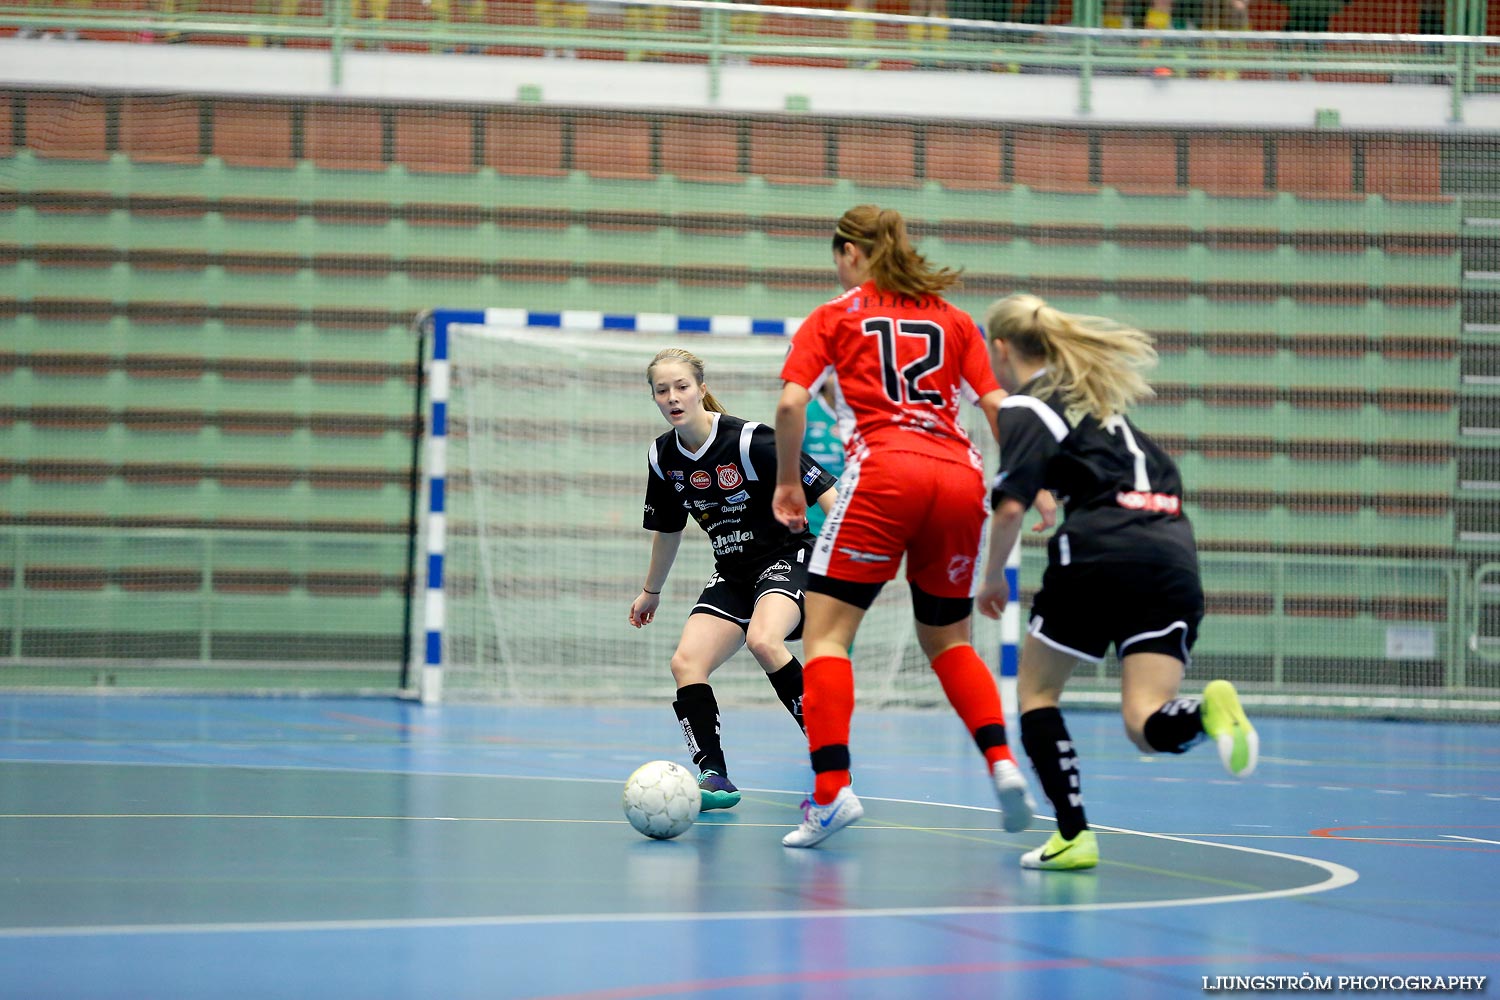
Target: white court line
1338, 877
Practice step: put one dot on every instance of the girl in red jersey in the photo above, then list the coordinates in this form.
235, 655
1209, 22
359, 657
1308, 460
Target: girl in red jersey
913, 486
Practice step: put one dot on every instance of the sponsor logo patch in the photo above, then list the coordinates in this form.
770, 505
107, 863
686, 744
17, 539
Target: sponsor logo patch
777, 571
811, 476
960, 569
739, 497
1156, 503
674, 473
732, 541
729, 476
701, 479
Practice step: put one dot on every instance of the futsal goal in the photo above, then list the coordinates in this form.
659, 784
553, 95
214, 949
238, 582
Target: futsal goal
536, 474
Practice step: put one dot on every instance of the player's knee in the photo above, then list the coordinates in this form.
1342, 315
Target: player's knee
768, 648
686, 670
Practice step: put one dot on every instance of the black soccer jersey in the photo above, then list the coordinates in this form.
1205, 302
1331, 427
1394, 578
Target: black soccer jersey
1121, 493
726, 486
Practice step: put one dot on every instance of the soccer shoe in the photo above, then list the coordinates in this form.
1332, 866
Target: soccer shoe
716, 791
821, 822
1016, 805
1225, 723
1058, 855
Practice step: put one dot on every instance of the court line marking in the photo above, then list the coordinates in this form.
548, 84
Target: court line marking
1338, 876
738, 824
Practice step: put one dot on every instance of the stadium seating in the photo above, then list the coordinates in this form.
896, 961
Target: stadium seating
212, 340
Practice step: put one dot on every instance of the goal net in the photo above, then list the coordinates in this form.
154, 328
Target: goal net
548, 431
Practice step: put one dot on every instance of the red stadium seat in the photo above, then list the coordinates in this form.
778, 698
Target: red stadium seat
161, 130
700, 149
7, 143
789, 152
72, 127
966, 158
616, 146
1227, 164
344, 137
521, 143
1139, 162
878, 154
1318, 166
1052, 160
253, 133
1403, 167
429, 141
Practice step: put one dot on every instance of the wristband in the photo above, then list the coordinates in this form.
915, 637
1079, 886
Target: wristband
653, 593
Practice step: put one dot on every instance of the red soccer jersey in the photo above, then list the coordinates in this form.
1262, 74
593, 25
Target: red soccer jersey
903, 366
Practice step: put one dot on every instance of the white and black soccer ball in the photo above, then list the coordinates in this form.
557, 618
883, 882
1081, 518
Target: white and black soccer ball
661, 799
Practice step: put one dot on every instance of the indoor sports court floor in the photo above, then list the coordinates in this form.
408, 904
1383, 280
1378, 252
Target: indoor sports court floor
221, 848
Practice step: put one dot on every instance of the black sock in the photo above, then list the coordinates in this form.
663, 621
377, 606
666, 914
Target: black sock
1045, 736
1175, 726
787, 680
698, 711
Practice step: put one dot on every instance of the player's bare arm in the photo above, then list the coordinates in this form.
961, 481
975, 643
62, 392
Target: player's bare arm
990, 404
827, 500
1006, 528
789, 504
663, 553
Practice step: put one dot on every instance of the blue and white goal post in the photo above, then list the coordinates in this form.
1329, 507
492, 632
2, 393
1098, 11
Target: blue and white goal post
536, 431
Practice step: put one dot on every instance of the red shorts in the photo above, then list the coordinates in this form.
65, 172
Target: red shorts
897, 503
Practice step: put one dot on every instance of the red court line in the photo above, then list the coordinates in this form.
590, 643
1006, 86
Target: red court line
1332, 833
365, 720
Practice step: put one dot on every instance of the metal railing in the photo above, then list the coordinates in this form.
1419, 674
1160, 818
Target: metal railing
719, 35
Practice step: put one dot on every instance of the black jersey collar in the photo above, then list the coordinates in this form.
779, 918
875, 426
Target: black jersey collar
713, 432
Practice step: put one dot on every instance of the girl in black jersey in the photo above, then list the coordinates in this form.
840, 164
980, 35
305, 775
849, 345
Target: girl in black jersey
720, 471
1122, 569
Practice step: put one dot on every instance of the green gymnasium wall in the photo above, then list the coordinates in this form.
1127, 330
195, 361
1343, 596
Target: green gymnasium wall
207, 363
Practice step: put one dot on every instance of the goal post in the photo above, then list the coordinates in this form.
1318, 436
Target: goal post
534, 471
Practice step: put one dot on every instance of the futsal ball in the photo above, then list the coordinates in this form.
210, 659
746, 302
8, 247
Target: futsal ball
661, 799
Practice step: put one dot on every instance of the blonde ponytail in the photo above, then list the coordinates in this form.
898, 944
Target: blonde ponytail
694, 362
895, 265
1095, 364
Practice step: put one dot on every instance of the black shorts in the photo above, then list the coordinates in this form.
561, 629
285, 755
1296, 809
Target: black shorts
1084, 608
733, 594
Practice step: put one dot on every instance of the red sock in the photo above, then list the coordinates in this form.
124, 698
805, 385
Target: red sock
972, 692
827, 707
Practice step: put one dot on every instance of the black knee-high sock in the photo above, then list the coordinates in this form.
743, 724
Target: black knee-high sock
1045, 736
698, 711
787, 680
1176, 726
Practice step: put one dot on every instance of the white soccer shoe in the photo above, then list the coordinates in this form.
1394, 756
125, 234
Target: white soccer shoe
1016, 804
821, 822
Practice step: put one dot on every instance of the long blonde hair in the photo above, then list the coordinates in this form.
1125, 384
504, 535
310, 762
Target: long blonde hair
694, 362
895, 264
1096, 364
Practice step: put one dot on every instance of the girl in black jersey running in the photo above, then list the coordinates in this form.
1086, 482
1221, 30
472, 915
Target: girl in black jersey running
1122, 569
720, 471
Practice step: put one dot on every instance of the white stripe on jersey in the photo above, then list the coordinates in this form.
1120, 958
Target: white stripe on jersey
746, 433
1055, 424
655, 465
822, 552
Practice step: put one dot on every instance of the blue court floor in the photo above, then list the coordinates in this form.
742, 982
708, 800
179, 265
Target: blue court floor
223, 848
